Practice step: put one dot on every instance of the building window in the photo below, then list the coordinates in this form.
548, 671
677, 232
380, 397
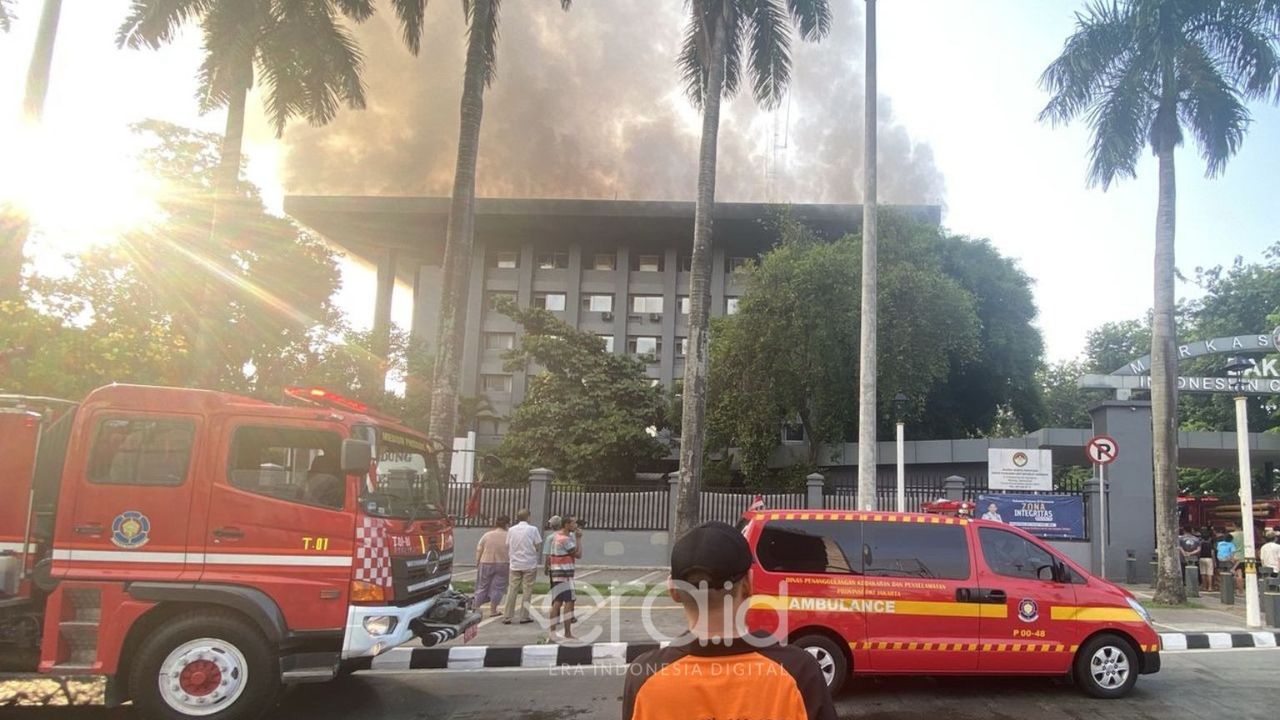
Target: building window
597, 303
647, 263
644, 345
495, 297
683, 301
731, 306
646, 304
605, 261
505, 259
495, 383
549, 301
792, 432
553, 261
499, 341
734, 264
608, 342
141, 452
686, 263
682, 346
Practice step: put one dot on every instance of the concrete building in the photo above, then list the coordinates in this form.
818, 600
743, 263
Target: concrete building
615, 268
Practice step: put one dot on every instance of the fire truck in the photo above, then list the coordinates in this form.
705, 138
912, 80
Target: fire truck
201, 550
1208, 511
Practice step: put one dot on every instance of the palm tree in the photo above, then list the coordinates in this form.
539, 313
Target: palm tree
720, 33
479, 73
1140, 72
6, 15
306, 59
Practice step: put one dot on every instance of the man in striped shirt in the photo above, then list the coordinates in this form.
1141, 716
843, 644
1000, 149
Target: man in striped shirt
564, 548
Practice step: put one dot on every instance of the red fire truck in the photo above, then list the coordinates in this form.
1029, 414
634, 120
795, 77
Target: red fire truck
1208, 511
200, 549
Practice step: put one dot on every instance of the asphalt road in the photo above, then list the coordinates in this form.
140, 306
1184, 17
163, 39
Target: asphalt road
1238, 684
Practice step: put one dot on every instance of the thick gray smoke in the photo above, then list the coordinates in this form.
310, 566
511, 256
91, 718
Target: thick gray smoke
588, 104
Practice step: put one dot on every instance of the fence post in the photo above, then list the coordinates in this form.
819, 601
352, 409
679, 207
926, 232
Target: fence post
813, 491
539, 489
1092, 492
953, 487
673, 497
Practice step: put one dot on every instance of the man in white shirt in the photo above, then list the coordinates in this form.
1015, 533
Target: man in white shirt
523, 550
1269, 556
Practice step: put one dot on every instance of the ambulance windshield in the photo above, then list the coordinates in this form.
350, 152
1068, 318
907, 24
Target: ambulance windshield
405, 486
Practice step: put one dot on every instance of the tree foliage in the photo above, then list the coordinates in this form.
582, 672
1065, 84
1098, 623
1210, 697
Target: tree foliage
588, 414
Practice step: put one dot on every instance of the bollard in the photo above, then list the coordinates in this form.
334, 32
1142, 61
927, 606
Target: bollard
1227, 589
1130, 567
1155, 569
1191, 578
1271, 607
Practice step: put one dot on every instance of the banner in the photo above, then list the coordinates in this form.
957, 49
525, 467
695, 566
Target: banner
1053, 517
1010, 469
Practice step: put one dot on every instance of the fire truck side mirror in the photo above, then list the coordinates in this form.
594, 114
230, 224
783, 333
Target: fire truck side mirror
356, 456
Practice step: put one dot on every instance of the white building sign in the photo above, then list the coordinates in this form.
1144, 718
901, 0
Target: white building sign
1019, 470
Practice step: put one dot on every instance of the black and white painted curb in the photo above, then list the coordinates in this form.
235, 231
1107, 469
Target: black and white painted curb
479, 657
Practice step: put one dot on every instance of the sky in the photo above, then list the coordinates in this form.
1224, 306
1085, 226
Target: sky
959, 75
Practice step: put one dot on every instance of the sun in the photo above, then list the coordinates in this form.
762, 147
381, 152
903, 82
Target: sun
79, 186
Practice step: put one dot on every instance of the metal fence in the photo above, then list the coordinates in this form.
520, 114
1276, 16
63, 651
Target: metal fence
728, 506
495, 501
613, 507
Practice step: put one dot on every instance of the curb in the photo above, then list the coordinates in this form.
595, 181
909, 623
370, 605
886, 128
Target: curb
1219, 640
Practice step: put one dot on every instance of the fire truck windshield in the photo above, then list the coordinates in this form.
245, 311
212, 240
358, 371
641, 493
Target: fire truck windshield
405, 486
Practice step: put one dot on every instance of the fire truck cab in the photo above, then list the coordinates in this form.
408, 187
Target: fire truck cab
201, 549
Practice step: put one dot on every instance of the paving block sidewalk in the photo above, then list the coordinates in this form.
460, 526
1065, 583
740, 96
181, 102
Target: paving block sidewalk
1205, 624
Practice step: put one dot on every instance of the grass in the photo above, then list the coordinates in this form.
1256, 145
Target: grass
543, 587
1188, 605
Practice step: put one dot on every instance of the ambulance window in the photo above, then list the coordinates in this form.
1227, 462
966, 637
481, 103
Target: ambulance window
917, 551
808, 546
141, 452
295, 464
1013, 555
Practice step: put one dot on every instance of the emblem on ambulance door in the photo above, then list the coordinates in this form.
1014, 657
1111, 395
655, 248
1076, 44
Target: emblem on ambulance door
130, 530
1028, 611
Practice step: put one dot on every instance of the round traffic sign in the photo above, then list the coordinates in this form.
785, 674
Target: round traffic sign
1102, 450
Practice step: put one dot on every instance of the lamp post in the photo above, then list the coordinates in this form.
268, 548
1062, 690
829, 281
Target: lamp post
1235, 369
899, 416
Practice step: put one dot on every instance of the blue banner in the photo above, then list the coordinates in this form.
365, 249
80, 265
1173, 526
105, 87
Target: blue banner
1053, 517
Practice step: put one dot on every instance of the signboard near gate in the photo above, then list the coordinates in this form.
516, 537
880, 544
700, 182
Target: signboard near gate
1053, 517
1016, 470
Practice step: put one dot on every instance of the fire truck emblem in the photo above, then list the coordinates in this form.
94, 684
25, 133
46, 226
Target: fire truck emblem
130, 530
1028, 611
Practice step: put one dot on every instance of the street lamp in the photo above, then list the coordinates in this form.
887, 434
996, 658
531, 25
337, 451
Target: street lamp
1235, 369
899, 416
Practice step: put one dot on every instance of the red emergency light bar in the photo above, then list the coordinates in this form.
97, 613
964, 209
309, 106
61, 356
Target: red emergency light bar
334, 401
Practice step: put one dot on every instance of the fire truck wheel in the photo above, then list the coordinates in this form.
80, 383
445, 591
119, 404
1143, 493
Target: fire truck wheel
207, 664
831, 661
1106, 667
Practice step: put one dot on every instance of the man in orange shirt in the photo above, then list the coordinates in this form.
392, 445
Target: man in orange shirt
716, 669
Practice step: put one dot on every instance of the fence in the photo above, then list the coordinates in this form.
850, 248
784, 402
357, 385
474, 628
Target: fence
728, 506
613, 507
495, 501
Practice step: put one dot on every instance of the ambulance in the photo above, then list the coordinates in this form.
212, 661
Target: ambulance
200, 550
929, 594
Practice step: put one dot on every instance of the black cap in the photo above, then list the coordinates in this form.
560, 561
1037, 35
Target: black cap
714, 549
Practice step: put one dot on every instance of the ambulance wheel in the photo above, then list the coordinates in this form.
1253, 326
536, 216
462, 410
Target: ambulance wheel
831, 661
207, 664
1106, 667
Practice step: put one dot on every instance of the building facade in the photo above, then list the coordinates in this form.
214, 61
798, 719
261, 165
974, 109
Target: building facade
619, 269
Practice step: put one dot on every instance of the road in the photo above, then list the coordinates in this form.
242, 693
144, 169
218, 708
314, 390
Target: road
1237, 684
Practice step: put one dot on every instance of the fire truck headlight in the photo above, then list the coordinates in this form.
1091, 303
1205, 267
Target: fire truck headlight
379, 625
1142, 612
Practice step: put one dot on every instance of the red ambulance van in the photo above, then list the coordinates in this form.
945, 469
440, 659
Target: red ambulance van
907, 593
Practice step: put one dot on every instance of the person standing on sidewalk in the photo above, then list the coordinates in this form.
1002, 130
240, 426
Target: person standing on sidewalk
1206, 560
1269, 556
523, 543
565, 547
717, 669
1237, 555
492, 566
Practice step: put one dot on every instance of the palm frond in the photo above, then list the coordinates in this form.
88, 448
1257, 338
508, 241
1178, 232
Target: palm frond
6, 15
411, 14
1120, 118
1242, 39
231, 32
152, 23
1211, 107
736, 41
1089, 60
484, 32
812, 17
692, 60
770, 51
357, 10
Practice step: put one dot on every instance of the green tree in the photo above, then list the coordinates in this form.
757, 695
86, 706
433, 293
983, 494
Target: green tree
787, 356
481, 69
1141, 71
1066, 405
720, 37
588, 414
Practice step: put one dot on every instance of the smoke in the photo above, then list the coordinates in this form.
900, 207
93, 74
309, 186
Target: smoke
588, 104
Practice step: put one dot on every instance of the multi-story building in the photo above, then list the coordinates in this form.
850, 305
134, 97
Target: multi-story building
619, 269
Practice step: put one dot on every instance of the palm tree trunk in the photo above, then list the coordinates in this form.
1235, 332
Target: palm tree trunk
870, 284
459, 236
694, 406
1164, 397
14, 224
